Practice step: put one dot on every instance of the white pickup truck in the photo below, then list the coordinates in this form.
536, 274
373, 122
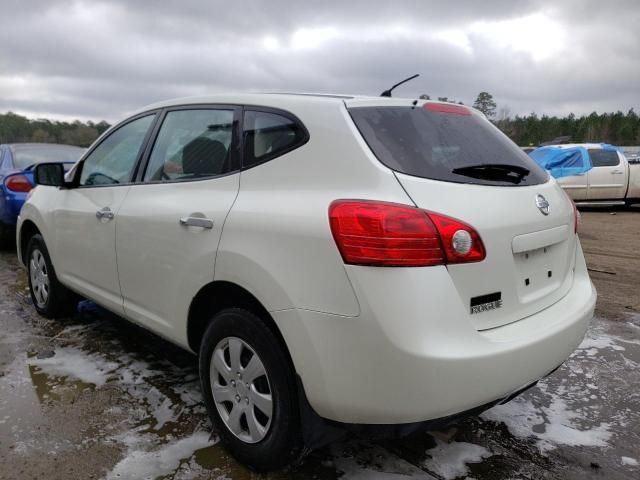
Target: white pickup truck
613, 180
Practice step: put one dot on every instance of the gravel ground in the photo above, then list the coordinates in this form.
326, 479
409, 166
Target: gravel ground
95, 397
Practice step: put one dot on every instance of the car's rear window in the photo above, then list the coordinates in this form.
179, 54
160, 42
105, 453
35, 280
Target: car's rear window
442, 142
28, 155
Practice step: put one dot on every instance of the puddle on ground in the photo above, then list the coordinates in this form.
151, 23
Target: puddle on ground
95, 389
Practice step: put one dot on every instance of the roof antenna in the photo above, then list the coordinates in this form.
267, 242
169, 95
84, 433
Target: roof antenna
387, 93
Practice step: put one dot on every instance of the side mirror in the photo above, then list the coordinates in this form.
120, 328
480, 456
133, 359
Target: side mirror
51, 174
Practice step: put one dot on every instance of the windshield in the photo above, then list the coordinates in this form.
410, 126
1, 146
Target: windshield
26, 155
442, 142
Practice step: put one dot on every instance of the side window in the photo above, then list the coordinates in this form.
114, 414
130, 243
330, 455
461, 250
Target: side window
191, 144
269, 135
113, 161
604, 158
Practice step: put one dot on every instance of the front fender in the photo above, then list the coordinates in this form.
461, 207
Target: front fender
31, 212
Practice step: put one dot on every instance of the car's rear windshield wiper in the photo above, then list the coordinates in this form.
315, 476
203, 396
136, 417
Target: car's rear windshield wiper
494, 171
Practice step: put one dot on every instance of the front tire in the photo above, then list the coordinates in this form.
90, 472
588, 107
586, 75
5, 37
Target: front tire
249, 390
49, 296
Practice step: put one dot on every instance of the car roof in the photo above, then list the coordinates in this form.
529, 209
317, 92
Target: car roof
287, 100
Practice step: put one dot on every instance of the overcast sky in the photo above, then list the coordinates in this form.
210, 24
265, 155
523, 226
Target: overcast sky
101, 59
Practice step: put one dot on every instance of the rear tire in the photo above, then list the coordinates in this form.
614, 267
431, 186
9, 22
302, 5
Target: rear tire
264, 432
49, 296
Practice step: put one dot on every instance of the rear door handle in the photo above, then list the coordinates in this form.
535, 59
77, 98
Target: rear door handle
104, 213
196, 222
616, 172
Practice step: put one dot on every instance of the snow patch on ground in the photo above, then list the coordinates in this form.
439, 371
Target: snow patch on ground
556, 424
143, 464
449, 460
631, 462
596, 340
559, 414
72, 362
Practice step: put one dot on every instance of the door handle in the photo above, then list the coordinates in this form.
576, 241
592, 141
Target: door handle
104, 213
616, 172
196, 222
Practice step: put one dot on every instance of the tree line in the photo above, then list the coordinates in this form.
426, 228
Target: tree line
617, 128
16, 128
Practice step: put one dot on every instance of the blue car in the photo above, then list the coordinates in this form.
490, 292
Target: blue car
16, 176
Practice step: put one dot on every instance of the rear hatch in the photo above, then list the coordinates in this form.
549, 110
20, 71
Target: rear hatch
453, 161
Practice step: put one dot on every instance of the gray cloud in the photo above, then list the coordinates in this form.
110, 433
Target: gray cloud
99, 59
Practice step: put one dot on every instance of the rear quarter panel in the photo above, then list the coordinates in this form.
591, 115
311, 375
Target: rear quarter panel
277, 241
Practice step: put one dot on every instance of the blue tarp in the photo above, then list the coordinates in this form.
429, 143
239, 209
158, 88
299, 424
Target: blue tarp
565, 161
562, 162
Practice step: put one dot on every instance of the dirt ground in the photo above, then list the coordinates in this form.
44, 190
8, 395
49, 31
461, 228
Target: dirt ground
94, 397
611, 243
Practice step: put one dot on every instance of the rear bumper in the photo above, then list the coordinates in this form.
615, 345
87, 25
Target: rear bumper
409, 357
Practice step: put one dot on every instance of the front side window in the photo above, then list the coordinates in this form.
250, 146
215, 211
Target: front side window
603, 158
113, 161
191, 144
269, 135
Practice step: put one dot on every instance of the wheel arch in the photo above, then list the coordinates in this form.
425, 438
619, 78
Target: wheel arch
27, 230
217, 296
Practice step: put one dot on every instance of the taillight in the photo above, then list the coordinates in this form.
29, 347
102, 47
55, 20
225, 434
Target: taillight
18, 183
394, 235
450, 108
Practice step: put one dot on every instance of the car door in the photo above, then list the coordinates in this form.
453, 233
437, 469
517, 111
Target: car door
576, 186
607, 179
84, 220
169, 226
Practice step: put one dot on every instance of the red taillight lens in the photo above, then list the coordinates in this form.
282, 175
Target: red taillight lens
449, 108
18, 183
389, 234
452, 233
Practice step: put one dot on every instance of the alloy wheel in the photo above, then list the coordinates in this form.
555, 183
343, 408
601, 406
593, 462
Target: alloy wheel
241, 389
39, 278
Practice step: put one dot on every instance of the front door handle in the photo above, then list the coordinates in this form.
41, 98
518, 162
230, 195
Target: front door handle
196, 222
104, 213
616, 172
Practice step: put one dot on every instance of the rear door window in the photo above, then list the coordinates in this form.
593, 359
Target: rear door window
445, 142
192, 144
268, 135
603, 158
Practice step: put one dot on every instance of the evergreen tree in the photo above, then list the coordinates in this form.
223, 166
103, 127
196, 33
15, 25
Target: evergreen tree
486, 104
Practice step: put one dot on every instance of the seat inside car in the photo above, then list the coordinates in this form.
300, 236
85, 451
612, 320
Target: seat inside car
203, 156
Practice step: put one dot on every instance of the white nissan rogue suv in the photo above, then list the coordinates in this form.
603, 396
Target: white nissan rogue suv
336, 262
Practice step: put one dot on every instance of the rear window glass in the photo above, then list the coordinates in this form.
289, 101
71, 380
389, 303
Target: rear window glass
603, 158
454, 145
25, 156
